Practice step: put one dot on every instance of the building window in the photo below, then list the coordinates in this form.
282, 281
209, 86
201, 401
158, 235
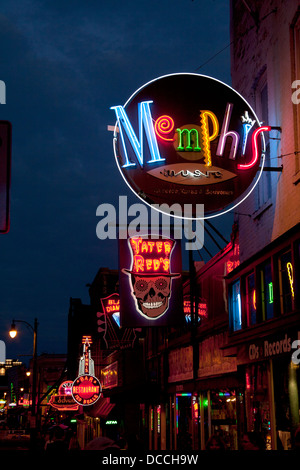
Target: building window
250, 299
286, 282
266, 287
295, 44
264, 188
235, 306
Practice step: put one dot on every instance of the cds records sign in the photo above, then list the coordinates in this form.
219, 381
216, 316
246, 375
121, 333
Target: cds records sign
189, 139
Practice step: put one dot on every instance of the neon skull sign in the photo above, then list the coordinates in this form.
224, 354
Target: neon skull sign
151, 280
152, 294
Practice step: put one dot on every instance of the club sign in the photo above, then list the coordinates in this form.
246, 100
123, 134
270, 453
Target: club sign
86, 390
187, 139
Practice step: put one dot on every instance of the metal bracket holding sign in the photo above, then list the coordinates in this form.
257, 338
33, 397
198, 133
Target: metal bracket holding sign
5, 168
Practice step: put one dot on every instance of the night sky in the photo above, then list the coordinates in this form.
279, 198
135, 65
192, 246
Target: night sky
64, 65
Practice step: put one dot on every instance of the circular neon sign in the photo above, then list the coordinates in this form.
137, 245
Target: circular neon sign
187, 139
86, 390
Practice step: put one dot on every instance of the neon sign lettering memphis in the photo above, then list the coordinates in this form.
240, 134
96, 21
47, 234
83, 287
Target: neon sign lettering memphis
185, 139
189, 139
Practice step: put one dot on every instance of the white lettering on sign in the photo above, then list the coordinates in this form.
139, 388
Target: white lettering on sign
253, 352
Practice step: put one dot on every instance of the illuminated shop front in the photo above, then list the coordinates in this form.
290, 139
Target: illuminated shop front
272, 382
211, 404
221, 392
265, 324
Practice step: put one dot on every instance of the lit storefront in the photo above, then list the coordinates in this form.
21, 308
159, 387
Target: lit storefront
265, 323
221, 392
182, 428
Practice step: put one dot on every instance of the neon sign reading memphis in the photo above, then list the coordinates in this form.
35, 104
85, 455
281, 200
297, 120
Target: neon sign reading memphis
189, 139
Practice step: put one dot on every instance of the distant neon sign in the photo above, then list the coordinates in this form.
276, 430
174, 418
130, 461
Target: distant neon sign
63, 400
202, 309
195, 132
25, 402
234, 260
111, 307
111, 304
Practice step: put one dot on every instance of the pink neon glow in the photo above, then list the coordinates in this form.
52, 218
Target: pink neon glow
254, 148
164, 125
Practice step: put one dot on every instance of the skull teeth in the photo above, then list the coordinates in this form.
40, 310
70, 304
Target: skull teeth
152, 304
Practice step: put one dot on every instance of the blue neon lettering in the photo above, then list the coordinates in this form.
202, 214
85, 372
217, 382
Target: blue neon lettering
247, 128
145, 120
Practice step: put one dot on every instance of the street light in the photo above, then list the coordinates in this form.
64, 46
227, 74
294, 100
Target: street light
13, 331
13, 334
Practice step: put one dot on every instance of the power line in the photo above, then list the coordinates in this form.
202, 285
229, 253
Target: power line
236, 39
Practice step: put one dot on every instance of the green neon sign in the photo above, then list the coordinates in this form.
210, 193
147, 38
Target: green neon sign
270, 285
189, 147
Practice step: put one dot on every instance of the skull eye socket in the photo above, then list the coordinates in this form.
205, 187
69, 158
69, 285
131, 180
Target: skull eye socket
141, 285
161, 284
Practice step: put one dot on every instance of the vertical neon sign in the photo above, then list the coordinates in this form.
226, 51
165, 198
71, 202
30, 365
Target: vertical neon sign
289, 267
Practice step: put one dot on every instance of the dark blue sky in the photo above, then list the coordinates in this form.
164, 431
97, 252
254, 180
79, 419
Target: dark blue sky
65, 64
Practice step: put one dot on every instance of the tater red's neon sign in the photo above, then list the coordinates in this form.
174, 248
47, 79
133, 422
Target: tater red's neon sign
151, 256
150, 275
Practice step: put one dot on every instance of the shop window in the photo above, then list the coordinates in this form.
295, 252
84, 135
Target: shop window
286, 282
250, 299
266, 286
184, 421
257, 401
223, 417
235, 306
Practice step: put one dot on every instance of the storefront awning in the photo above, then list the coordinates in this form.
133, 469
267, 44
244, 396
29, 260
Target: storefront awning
101, 409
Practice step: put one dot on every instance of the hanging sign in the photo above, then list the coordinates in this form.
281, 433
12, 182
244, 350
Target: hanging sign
64, 401
150, 282
202, 309
114, 337
111, 307
86, 389
189, 139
